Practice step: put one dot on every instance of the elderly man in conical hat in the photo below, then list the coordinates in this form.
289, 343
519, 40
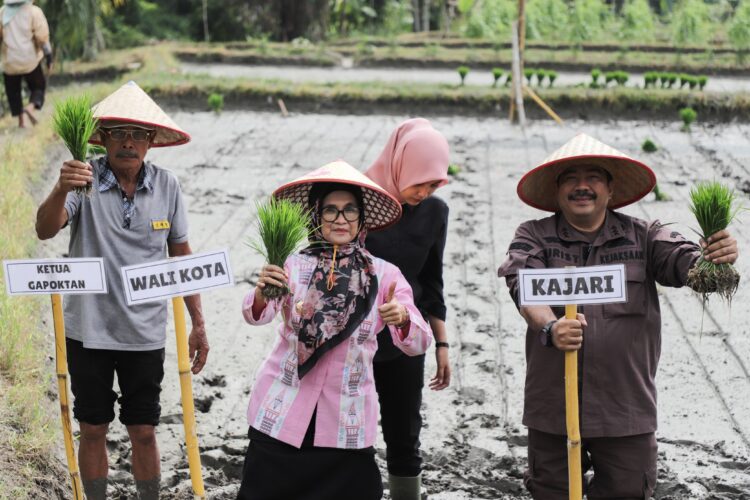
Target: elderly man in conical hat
134, 214
583, 183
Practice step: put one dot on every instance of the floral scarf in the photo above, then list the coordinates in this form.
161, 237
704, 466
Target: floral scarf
330, 315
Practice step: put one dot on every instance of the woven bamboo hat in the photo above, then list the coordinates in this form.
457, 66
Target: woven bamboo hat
381, 209
130, 105
631, 179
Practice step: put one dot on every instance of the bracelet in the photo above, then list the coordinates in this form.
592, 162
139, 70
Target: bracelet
442, 344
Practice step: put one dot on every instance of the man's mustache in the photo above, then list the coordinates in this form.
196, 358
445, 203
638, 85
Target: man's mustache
582, 194
126, 154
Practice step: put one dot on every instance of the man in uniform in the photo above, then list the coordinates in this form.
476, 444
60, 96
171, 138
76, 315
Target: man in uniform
133, 214
618, 344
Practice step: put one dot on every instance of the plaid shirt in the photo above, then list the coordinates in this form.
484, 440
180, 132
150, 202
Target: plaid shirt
107, 181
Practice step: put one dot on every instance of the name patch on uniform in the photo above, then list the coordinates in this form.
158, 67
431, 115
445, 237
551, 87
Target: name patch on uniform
159, 224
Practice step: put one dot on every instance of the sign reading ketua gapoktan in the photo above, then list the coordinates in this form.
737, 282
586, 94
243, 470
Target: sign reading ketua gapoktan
62, 276
577, 285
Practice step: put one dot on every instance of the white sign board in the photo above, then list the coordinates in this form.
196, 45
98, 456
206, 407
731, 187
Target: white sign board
47, 276
156, 281
577, 285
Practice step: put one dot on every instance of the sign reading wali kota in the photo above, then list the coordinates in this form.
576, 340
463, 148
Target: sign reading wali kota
48, 276
187, 275
577, 285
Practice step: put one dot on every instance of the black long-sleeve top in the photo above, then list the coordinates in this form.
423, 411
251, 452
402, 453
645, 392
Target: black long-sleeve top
415, 245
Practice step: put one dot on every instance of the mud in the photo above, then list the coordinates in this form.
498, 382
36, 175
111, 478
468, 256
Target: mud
473, 441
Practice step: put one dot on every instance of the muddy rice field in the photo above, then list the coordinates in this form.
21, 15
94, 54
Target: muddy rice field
473, 442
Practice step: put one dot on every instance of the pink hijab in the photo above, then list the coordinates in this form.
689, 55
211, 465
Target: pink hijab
415, 153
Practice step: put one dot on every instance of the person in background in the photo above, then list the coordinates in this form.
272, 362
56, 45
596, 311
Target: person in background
413, 164
25, 42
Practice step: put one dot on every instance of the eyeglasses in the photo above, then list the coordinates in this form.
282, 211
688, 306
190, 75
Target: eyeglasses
121, 134
331, 213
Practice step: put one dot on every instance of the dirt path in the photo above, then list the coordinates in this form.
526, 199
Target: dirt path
473, 441
435, 76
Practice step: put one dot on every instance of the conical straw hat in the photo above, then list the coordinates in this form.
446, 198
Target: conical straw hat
131, 105
631, 179
381, 209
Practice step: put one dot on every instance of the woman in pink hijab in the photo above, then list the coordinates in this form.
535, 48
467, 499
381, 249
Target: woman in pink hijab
413, 164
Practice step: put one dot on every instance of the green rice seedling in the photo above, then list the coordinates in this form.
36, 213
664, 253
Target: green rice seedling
714, 206
529, 73
596, 73
660, 195
609, 76
508, 79
702, 81
663, 79
216, 102
462, 72
649, 79
649, 146
621, 77
497, 74
672, 79
692, 82
74, 122
454, 169
688, 116
682, 79
541, 74
551, 77
283, 228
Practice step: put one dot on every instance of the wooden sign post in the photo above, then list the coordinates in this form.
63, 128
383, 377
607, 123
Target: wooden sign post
57, 278
571, 286
175, 278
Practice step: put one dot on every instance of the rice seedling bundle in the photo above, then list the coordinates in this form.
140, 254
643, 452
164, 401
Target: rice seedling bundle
74, 122
283, 228
714, 206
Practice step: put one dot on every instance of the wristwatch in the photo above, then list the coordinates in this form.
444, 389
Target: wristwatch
545, 334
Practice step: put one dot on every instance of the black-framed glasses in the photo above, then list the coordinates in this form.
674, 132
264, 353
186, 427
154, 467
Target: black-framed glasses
121, 134
329, 213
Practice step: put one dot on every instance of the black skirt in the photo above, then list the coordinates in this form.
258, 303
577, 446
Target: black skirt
274, 470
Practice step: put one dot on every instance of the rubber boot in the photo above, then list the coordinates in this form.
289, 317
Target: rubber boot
405, 488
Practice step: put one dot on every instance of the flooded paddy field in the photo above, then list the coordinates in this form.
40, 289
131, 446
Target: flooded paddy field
473, 442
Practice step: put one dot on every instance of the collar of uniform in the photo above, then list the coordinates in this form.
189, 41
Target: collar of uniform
107, 179
613, 228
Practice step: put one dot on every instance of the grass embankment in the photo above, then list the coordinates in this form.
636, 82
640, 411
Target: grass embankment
29, 419
562, 57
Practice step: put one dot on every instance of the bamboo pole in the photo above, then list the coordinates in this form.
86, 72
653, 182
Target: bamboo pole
188, 408
575, 488
61, 364
543, 104
517, 94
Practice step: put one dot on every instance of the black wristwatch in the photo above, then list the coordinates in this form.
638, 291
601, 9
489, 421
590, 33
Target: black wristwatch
545, 334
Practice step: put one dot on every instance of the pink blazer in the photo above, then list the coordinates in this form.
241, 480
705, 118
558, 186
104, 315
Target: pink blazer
341, 383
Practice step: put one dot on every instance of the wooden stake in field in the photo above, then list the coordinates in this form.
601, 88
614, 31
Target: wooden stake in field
61, 365
188, 405
575, 487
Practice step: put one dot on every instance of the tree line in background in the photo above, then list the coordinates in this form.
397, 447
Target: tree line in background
81, 28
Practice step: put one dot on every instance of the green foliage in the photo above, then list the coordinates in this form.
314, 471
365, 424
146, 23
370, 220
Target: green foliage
546, 19
540, 75
689, 25
397, 18
702, 81
587, 19
491, 19
216, 102
431, 49
714, 206
462, 72
688, 116
74, 122
739, 30
649, 79
649, 146
528, 73
497, 74
637, 21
